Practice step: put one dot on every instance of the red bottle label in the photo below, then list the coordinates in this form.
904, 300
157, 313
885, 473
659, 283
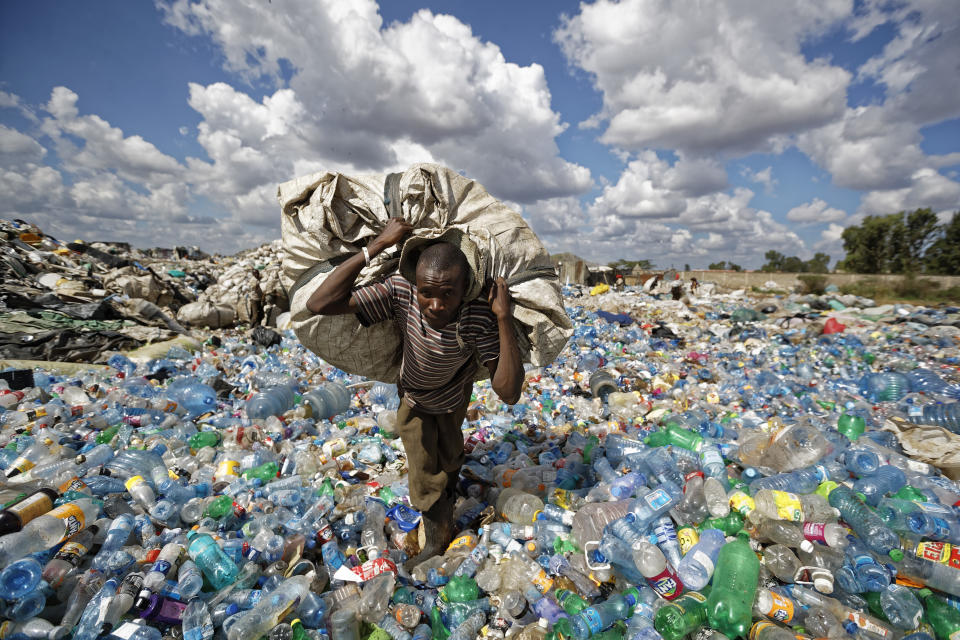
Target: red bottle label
667, 584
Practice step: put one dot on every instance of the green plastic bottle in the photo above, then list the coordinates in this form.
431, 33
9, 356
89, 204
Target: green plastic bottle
105, 436
265, 472
219, 507
910, 493
851, 426
730, 524
730, 603
204, 439
943, 617
681, 617
461, 589
674, 434
571, 601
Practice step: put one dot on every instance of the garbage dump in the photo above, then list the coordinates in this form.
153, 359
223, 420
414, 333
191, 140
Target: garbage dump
722, 466
78, 301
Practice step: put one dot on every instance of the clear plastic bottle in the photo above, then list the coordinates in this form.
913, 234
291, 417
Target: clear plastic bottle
715, 496
865, 523
271, 608
901, 607
697, 566
659, 574
653, 504
45, 531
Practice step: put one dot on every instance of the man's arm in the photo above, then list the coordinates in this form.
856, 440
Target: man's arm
334, 295
506, 372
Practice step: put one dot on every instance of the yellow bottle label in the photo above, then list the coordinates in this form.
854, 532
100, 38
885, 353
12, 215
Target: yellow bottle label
942, 552
758, 628
742, 503
687, 537
73, 484
22, 465
781, 609
73, 519
31, 507
788, 506
228, 468
134, 481
542, 581
468, 541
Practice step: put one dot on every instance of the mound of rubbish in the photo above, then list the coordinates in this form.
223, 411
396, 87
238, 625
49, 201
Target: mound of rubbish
718, 466
78, 301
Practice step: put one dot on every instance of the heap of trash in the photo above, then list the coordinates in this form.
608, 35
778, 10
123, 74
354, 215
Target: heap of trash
725, 465
76, 301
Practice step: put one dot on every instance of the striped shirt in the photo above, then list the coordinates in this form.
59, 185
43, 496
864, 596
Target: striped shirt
436, 374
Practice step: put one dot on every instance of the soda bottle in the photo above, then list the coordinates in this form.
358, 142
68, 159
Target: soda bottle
681, 617
659, 574
730, 603
942, 616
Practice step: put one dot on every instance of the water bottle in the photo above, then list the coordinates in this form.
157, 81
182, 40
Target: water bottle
697, 566
884, 387
596, 618
865, 523
215, 565
730, 603
47, 530
196, 398
197, 623
887, 479
327, 400
273, 401
942, 415
653, 504
901, 607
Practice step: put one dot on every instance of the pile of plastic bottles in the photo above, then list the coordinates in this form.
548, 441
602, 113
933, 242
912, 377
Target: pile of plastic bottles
725, 477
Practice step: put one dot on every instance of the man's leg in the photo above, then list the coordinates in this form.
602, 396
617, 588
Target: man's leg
434, 448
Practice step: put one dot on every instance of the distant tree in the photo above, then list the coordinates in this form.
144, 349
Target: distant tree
895, 243
734, 267
793, 264
717, 266
645, 265
943, 256
686, 267
819, 263
775, 261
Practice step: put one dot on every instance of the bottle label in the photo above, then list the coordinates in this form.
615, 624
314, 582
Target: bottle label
227, 468
687, 537
667, 584
31, 507
73, 484
71, 552
814, 531
781, 609
134, 481
788, 506
704, 560
942, 552
742, 503
542, 581
22, 465
758, 628
507, 479
161, 566
72, 517
867, 624
657, 499
592, 617
468, 541
13, 501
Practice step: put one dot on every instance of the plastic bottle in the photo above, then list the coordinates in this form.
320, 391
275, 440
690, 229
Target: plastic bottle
53, 527
865, 523
273, 401
730, 602
14, 517
656, 502
697, 566
683, 616
901, 607
270, 610
216, 566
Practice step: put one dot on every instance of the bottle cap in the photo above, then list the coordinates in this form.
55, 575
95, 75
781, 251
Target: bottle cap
806, 546
896, 555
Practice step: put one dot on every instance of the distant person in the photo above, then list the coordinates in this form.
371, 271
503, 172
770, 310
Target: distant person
444, 339
618, 285
694, 286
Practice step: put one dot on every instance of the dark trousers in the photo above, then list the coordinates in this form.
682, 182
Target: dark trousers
434, 447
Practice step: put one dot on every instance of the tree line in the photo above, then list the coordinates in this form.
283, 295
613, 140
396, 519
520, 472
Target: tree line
904, 242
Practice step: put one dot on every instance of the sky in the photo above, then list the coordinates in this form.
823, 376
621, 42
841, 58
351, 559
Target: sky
685, 132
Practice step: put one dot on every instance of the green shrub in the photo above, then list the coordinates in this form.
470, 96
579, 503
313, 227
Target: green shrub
812, 283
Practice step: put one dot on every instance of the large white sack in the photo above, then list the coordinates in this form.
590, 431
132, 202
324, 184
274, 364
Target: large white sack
327, 217
206, 314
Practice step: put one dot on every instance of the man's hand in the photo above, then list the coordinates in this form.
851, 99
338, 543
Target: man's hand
499, 298
395, 231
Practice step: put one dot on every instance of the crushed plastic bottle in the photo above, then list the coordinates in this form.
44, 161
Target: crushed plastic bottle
256, 492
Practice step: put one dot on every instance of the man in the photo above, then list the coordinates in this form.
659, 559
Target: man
444, 337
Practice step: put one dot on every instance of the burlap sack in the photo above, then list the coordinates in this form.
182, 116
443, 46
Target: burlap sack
326, 217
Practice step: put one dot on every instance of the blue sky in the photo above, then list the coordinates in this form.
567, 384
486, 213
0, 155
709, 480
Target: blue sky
682, 132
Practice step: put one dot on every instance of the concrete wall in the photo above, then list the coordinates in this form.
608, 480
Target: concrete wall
747, 279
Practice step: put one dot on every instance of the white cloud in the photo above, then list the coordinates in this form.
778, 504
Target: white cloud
16, 147
709, 76
365, 97
556, 216
815, 211
763, 177
831, 241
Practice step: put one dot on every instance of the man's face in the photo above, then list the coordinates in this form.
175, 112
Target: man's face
439, 294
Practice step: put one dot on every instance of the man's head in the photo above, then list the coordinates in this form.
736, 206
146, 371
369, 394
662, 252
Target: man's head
442, 278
